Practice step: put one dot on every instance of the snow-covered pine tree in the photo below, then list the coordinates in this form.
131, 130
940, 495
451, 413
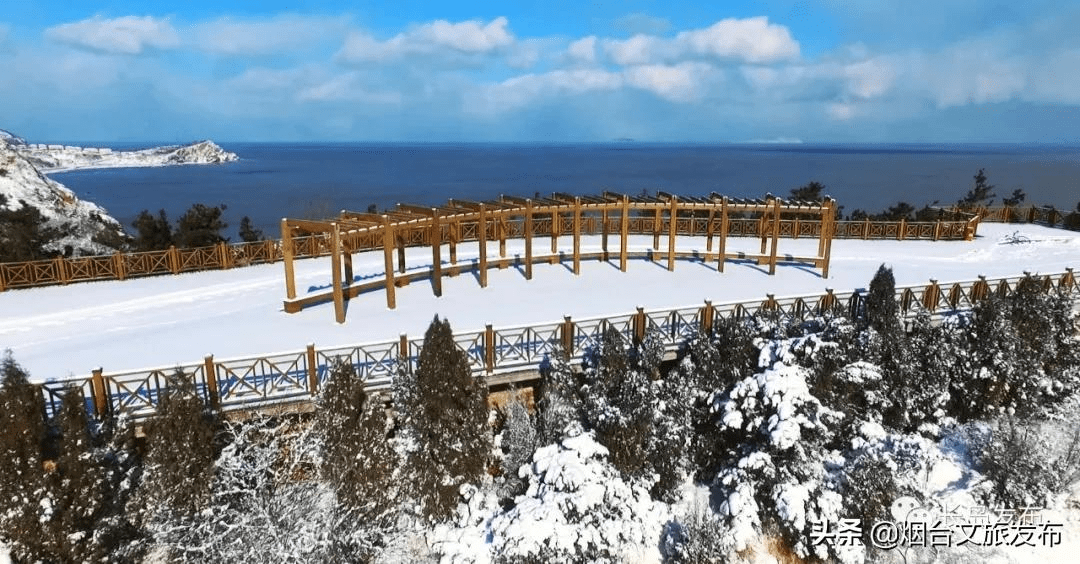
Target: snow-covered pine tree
620, 405
560, 406
994, 354
22, 481
882, 312
671, 437
180, 456
357, 457
519, 441
445, 418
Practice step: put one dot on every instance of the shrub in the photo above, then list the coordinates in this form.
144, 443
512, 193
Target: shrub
248, 233
1027, 462
152, 233
24, 233
444, 421
22, 481
200, 226
560, 404
518, 442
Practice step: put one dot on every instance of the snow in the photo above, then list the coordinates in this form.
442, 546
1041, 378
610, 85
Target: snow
50, 159
163, 321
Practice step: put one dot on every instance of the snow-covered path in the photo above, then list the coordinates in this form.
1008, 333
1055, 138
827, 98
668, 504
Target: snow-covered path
58, 331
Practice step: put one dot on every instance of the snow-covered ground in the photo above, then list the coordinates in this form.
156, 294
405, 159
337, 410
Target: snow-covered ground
59, 331
61, 158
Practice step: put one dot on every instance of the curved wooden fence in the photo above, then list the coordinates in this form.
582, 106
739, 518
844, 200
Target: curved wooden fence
285, 378
120, 266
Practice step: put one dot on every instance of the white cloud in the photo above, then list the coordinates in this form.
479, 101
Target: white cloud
468, 37
128, 35
750, 40
583, 49
753, 40
348, 88
679, 83
840, 111
276, 35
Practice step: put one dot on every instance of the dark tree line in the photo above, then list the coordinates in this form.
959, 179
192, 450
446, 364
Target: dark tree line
199, 226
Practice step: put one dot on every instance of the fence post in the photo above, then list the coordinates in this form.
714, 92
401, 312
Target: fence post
658, 222
866, 229
707, 318
603, 235
639, 325
829, 300
174, 259
271, 251
436, 253
287, 252
930, 296
902, 229
721, 252
388, 261
624, 229
775, 242
673, 217
61, 272
481, 237
577, 236
223, 252
403, 352
528, 228
312, 370
210, 373
568, 336
555, 227
1069, 280
489, 348
2, 287
118, 265
937, 230
100, 397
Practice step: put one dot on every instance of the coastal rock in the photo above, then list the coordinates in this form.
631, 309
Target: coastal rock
59, 158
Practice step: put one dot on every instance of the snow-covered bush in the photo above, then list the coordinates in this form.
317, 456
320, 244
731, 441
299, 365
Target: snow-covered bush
773, 471
578, 508
698, 537
518, 442
1027, 462
560, 406
22, 480
672, 431
444, 424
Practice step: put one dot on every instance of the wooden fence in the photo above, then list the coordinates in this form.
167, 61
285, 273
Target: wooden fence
121, 265
290, 377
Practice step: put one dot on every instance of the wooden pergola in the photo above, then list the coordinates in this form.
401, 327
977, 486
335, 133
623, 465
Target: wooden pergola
609, 215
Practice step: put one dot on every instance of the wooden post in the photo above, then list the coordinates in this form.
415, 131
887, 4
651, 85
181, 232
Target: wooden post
210, 372
174, 259
901, 231
763, 225
528, 239
639, 325
722, 250
568, 336
312, 370
2, 288
335, 273
554, 234
118, 267
61, 270
930, 296
828, 230
271, 250
624, 229
603, 235
500, 229
707, 318
226, 256
481, 236
403, 352
454, 233
388, 261
577, 236
866, 228
673, 218
775, 236
795, 230
100, 395
937, 230
346, 259
709, 230
489, 348
287, 256
436, 253
658, 223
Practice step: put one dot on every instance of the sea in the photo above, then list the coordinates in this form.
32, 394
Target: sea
316, 180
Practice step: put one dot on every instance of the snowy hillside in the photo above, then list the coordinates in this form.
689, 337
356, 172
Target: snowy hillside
82, 224
59, 158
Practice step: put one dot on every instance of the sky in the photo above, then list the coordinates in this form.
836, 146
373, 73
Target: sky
815, 71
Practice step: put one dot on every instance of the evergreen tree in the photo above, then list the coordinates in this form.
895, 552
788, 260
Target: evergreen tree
152, 233
981, 195
519, 441
1017, 198
249, 234
882, 311
901, 210
560, 404
181, 451
811, 192
22, 481
357, 459
446, 421
620, 404
200, 226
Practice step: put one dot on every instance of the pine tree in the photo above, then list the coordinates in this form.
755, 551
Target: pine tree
811, 192
152, 233
1017, 198
181, 451
882, 311
519, 441
24, 233
200, 226
22, 481
560, 404
358, 459
981, 195
248, 233
446, 419
620, 405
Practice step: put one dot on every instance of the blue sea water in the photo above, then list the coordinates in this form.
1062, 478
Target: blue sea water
315, 180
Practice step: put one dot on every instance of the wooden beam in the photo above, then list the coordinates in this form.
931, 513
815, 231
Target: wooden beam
673, 218
577, 236
657, 224
775, 236
624, 229
709, 230
454, 234
400, 250
436, 253
335, 273
554, 235
500, 228
481, 236
829, 228
722, 250
388, 261
528, 238
287, 255
603, 236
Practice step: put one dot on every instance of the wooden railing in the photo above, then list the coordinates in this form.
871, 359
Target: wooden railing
289, 377
1045, 215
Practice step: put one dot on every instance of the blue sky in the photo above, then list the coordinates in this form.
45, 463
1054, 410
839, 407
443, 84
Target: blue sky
547, 71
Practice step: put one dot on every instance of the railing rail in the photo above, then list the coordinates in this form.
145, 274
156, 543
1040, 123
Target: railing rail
240, 383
